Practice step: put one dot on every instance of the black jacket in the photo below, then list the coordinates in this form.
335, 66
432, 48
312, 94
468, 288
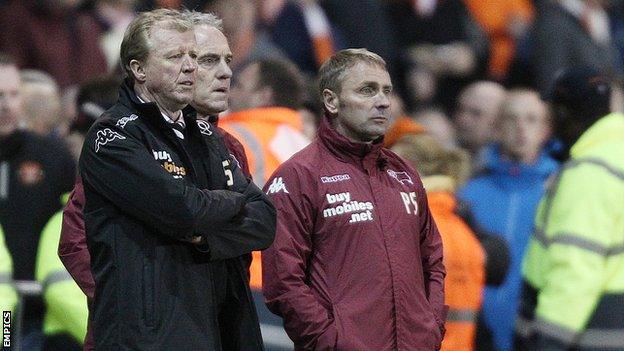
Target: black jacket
147, 191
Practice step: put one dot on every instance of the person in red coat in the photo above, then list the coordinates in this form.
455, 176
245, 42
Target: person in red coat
357, 259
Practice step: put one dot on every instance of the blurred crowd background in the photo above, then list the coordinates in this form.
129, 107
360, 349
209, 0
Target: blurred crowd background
471, 77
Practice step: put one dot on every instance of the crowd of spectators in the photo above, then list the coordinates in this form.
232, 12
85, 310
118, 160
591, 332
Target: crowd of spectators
473, 74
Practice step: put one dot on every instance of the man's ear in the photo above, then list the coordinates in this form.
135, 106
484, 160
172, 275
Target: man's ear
330, 100
138, 70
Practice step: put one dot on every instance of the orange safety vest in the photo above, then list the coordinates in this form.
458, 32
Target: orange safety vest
270, 135
464, 260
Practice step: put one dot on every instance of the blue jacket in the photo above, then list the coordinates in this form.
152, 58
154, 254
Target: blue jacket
503, 199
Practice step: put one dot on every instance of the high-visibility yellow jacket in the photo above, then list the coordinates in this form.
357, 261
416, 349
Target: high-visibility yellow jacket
66, 304
8, 297
574, 267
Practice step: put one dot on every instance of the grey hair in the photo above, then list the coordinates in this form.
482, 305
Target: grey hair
203, 18
37, 77
136, 44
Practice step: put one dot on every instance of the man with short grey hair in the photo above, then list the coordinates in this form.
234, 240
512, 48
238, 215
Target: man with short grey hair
357, 258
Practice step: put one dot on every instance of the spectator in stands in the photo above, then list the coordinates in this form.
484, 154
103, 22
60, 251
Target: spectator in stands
34, 172
248, 41
115, 15
56, 37
440, 40
503, 197
301, 29
505, 22
442, 170
438, 124
42, 104
264, 100
477, 109
571, 33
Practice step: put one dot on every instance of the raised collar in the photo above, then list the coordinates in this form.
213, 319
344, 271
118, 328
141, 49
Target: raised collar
149, 111
368, 154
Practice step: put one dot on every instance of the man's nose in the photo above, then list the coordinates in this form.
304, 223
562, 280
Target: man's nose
189, 64
224, 71
383, 101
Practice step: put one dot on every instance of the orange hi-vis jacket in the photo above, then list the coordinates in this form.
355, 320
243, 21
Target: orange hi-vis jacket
270, 135
464, 260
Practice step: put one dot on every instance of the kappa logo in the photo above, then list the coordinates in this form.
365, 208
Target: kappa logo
123, 121
401, 177
105, 136
277, 185
335, 178
204, 127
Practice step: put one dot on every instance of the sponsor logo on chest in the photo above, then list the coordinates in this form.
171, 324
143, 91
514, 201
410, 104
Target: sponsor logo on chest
167, 163
343, 204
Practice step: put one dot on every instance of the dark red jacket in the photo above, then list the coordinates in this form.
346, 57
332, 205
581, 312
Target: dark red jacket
73, 250
357, 259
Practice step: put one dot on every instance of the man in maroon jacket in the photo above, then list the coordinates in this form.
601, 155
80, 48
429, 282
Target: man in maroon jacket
357, 258
213, 80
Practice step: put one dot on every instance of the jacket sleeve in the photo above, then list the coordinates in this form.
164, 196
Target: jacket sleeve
431, 255
72, 249
118, 167
284, 267
253, 229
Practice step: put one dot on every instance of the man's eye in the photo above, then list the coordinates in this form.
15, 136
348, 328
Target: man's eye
367, 90
176, 56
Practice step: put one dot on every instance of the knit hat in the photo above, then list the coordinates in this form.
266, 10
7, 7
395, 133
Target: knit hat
583, 90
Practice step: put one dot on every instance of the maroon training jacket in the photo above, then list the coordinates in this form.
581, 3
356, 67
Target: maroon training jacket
357, 258
73, 250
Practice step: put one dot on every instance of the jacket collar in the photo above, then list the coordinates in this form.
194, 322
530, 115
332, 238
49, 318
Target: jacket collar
496, 164
149, 110
607, 129
369, 154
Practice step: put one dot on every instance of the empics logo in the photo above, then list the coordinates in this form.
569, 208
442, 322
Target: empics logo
277, 185
6, 328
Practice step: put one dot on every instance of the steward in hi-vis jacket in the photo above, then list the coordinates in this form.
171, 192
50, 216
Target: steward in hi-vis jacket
573, 272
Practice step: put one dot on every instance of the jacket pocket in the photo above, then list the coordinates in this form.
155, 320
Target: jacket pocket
148, 293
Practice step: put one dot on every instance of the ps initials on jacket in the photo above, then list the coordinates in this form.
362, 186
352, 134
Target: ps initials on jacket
357, 260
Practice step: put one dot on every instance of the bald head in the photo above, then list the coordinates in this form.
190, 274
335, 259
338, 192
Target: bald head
524, 125
477, 108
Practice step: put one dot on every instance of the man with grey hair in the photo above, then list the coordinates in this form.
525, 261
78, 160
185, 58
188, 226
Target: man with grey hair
168, 212
355, 240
